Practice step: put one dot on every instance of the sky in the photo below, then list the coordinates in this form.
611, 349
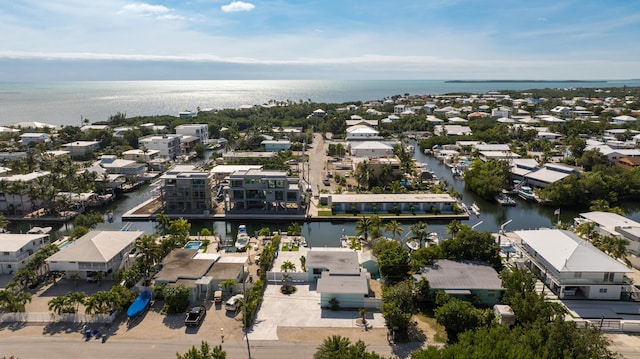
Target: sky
319, 39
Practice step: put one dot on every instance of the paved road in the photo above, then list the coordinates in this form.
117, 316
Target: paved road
317, 163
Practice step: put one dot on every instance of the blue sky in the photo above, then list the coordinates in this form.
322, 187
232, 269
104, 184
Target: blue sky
319, 39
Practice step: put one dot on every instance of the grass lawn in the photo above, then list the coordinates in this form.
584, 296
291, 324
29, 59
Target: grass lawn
432, 329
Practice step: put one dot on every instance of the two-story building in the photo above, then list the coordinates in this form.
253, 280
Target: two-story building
615, 225
168, 146
32, 138
362, 133
187, 189
81, 149
265, 190
128, 168
16, 250
276, 145
570, 266
199, 130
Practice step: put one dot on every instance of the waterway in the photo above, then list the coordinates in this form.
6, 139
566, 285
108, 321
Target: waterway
525, 215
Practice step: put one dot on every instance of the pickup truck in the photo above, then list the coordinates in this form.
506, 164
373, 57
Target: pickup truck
195, 315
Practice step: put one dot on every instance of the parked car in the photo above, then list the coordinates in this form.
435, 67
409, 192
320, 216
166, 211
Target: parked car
233, 304
195, 315
325, 181
256, 259
292, 162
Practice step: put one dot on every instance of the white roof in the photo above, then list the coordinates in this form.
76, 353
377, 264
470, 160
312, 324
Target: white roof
33, 124
361, 129
547, 175
13, 242
232, 168
492, 147
96, 246
566, 252
610, 220
370, 145
624, 118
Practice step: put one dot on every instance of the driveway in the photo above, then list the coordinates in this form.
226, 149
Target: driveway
301, 309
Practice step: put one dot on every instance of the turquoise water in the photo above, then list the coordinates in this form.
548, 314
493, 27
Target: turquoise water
193, 245
68, 103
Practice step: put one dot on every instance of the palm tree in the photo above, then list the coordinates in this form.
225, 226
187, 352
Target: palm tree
332, 347
151, 252
228, 285
288, 266
453, 227
59, 305
363, 226
419, 233
163, 221
363, 313
394, 228
294, 229
303, 263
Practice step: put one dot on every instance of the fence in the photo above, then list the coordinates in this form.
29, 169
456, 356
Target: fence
294, 277
47, 317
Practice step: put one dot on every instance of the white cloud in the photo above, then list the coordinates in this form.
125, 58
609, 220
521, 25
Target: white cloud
236, 6
144, 9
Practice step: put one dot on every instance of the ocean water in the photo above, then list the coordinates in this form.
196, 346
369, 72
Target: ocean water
67, 103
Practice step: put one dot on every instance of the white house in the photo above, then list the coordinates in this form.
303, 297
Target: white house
571, 266
115, 165
561, 111
201, 131
34, 137
16, 250
96, 251
167, 145
623, 119
362, 132
276, 145
140, 155
81, 149
370, 149
615, 225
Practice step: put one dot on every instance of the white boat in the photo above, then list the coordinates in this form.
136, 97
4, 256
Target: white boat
526, 193
39, 230
413, 244
433, 238
242, 240
475, 209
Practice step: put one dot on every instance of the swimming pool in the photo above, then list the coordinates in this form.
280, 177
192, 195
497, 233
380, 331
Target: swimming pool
193, 245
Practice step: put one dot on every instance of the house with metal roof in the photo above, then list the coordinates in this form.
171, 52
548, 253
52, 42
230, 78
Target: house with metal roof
96, 251
615, 225
570, 266
338, 275
549, 173
16, 250
370, 149
463, 279
362, 132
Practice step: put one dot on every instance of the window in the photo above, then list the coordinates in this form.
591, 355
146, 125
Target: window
577, 274
608, 277
491, 293
603, 290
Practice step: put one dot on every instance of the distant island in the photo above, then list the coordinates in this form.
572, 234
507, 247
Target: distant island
526, 81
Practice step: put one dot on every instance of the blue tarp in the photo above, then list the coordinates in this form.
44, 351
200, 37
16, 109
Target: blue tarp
139, 305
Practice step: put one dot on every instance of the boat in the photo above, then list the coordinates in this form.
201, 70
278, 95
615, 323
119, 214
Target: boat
475, 209
242, 240
139, 305
505, 200
433, 238
526, 193
39, 230
413, 244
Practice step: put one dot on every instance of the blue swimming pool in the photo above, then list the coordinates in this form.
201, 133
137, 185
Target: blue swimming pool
193, 245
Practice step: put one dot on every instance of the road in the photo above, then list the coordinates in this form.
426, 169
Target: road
57, 347
316, 163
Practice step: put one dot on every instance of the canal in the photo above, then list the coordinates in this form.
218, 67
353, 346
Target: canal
525, 215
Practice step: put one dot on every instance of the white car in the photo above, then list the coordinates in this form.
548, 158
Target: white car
233, 304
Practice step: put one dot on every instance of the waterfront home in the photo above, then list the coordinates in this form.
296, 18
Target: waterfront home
221, 172
628, 163
498, 155
127, 168
140, 155
167, 145
570, 266
615, 225
467, 280
549, 173
275, 145
16, 250
198, 130
247, 157
318, 113
200, 272
368, 149
11, 201
360, 121
452, 130
391, 203
96, 251
338, 276
187, 189
362, 132
81, 149
623, 119
265, 190
520, 167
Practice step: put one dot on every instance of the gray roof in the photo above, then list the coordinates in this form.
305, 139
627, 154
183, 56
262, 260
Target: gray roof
609, 220
336, 261
96, 246
391, 198
343, 284
546, 175
448, 274
180, 264
567, 252
225, 270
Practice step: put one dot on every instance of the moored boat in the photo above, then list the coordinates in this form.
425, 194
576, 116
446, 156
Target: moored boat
526, 193
505, 200
242, 240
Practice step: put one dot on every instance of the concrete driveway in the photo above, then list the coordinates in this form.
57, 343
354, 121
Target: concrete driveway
302, 309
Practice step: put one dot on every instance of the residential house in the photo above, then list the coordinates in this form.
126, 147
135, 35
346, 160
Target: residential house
13, 202
247, 157
549, 173
276, 145
200, 131
32, 138
561, 111
82, 149
468, 280
266, 190
628, 162
16, 250
140, 155
221, 172
368, 149
570, 266
187, 189
318, 113
338, 276
452, 130
188, 144
623, 119
615, 225
96, 251
391, 203
127, 168
167, 145
362, 132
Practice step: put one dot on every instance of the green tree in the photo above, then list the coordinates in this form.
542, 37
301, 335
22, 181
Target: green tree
204, 352
337, 347
363, 227
288, 266
394, 228
488, 178
393, 261
176, 298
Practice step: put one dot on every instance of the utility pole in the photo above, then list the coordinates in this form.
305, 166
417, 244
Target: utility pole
244, 307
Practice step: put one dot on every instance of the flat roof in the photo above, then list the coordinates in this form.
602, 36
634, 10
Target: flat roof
180, 264
567, 252
460, 275
337, 262
228, 169
390, 197
343, 284
225, 270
